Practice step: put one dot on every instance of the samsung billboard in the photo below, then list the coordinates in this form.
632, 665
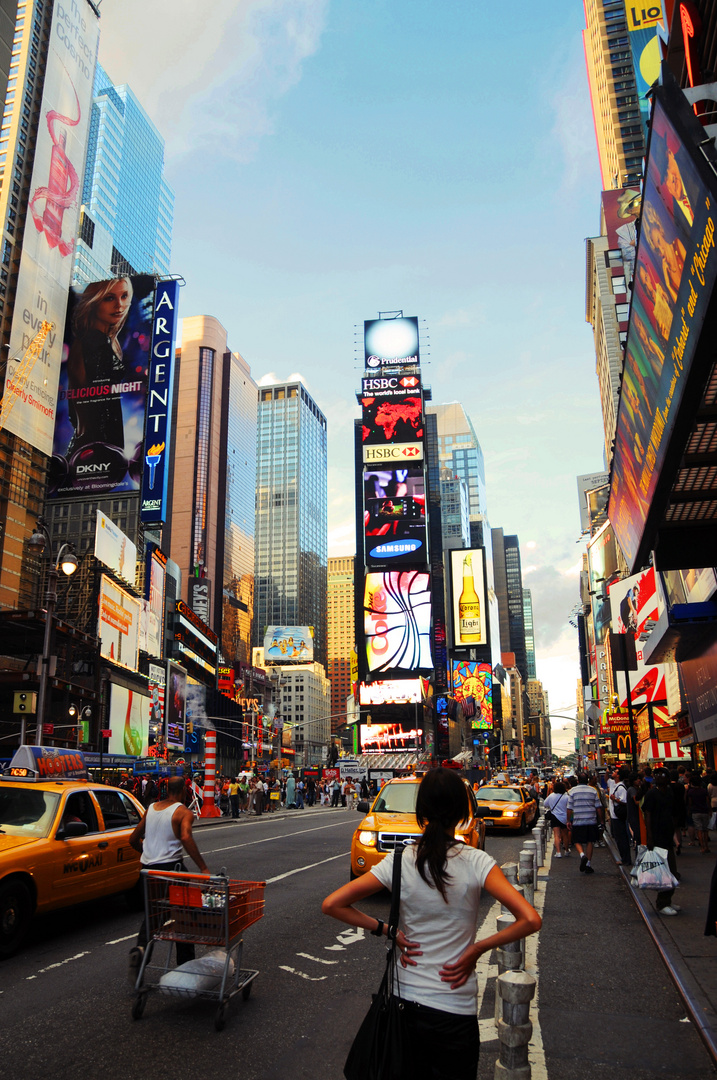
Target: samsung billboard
395, 516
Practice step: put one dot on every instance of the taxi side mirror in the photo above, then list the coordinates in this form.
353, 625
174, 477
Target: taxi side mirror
362, 806
72, 830
484, 811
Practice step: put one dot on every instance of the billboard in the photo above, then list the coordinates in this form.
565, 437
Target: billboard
602, 564
468, 598
589, 482
675, 274
396, 452
118, 624
634, 610
155, 581
114, 549
128, 722
160, 386
473, 686
390, 341
642, 22
391, 692
390, 386
389, 738
97, 448
176, 706
157, 683
395, 515
195, 644
53, 213
289, 644
621, 207
397, 621
387, 420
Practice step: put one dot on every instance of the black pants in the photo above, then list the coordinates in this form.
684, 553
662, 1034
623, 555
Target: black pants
619, 832
664, 897
440, 1045
185, 949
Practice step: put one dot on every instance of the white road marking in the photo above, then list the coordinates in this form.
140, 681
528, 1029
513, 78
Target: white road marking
265, 819
300, 869
334, 948
302, 974
267, 839
356, 933
117, 940
61, 963
308, 956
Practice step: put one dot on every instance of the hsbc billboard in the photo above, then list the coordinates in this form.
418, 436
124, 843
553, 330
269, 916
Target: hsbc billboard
392, 386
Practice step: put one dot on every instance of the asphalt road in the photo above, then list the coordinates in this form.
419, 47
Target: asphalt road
66, 1002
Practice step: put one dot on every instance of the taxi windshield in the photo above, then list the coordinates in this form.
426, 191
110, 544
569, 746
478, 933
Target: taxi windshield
498, 794
396, 799
25, 811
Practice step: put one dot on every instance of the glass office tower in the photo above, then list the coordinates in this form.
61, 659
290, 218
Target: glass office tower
460, 451
529, 634
291, 514
127, 205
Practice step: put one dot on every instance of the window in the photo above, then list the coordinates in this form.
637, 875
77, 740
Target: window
114, 810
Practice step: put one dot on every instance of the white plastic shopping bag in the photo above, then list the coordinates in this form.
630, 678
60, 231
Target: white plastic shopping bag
652, 871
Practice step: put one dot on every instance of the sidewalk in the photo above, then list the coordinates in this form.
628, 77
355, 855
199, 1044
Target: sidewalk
690, 957
606, 1008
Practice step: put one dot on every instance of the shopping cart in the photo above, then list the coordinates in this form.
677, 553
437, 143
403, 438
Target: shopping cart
205, 911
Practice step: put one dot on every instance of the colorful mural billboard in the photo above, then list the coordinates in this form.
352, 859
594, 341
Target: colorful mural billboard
397, 621
473, 686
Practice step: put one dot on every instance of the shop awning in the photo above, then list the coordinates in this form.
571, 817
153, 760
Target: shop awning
652, 750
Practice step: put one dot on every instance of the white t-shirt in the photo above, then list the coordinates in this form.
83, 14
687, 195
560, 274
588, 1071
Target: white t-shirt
443, 930
619, 790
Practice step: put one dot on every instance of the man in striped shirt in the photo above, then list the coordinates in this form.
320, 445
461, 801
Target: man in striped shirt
584, 813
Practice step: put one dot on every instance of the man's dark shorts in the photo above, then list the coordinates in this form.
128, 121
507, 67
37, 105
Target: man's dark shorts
585, 834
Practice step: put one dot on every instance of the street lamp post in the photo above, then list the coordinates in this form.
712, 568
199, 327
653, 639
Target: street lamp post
67, 562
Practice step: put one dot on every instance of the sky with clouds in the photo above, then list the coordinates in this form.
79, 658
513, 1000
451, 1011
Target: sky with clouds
332, 159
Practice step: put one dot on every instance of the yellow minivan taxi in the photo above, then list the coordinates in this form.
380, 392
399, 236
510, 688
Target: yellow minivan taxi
391, 821
62, 840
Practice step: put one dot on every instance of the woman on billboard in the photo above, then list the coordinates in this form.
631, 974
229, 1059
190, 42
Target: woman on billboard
94, 363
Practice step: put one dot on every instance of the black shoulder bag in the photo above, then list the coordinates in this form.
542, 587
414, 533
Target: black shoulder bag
377, 1050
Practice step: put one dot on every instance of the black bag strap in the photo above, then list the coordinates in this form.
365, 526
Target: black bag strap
395, 894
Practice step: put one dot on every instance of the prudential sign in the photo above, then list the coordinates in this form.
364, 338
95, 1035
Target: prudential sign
157, 431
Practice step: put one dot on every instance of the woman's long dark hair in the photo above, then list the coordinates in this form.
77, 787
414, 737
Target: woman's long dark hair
442, 803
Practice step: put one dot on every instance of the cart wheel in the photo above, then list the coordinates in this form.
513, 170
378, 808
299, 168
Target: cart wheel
220, 1018
138, 1006
246, 991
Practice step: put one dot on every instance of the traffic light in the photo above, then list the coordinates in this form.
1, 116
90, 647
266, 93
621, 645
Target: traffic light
24, 702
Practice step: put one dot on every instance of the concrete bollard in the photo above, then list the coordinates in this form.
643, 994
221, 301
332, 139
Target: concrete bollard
517, 990
511, 957
540, 845
510, 869
532, 847
525, 875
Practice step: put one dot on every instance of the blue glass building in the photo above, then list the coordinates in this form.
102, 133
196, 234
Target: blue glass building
291, 514
127, 205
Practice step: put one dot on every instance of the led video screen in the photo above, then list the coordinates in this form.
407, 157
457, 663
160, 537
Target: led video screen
395, 515
397, 621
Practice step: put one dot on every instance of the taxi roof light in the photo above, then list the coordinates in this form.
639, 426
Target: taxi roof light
38, 764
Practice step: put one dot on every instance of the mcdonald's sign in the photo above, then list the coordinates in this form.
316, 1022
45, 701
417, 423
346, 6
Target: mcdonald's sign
623, 744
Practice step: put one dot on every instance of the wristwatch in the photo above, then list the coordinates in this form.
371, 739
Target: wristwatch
378, 932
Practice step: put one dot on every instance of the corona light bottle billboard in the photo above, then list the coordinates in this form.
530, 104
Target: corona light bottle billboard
468, 608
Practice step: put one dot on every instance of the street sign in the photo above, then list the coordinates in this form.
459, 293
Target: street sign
48, 729
106, 733
667, 734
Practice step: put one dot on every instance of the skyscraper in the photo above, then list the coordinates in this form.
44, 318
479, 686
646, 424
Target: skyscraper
529, 638
340, 594
210, 522
614, 93
460, 451
127, 205
509, 590
291, 513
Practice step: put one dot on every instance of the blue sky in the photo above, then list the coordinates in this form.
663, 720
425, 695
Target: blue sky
332, 159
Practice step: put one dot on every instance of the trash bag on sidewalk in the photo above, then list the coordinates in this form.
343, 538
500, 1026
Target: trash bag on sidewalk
651, 870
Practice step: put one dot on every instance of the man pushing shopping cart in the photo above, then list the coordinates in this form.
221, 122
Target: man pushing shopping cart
160, 837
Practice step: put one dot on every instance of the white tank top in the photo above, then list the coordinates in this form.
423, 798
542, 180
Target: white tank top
160, 843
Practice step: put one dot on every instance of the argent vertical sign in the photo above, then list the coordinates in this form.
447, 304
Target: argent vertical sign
157, 431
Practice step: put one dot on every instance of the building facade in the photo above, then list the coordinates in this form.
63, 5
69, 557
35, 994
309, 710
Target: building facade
210, 526
306, 708
127, 205
460, 451
619, 128
509, 591
340, 597
529, 633
291, 513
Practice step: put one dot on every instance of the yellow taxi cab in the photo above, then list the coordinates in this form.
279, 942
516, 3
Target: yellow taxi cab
63, 839
391, 821
507, 806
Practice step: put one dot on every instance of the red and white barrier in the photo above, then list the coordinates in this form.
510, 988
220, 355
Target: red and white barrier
209, 807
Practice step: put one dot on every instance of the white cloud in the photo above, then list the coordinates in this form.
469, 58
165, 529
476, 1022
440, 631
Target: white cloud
208, 75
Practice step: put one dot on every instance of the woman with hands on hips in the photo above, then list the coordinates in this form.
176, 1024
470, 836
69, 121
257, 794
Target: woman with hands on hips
441, 883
